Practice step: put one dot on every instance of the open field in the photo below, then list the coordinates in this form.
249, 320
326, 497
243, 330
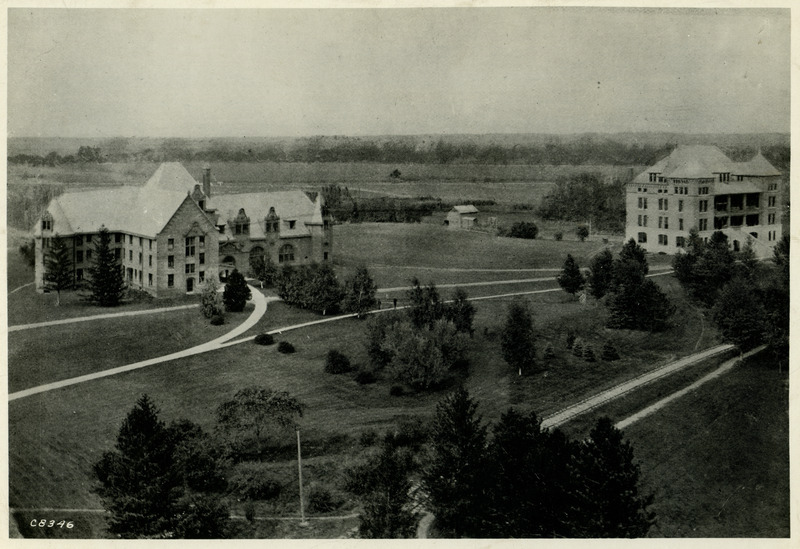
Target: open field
718, 461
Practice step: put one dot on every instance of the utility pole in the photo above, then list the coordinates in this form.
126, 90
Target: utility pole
303, 521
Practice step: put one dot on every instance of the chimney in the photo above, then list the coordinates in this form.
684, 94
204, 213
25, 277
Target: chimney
207, 181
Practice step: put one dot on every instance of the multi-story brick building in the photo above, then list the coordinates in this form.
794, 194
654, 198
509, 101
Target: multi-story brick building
698, 187
170, 233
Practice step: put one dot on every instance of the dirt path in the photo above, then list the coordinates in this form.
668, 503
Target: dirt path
726, 367
260, 302
19, 327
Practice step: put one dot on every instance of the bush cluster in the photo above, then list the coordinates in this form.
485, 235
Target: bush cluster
264, 339
285, 347
337, 362
254, 481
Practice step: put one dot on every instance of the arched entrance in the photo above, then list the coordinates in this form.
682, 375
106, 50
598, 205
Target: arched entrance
226, 267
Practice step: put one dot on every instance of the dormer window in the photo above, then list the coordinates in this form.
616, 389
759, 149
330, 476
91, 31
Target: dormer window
47, 222
724, 177
654, 177
292, 224
241, 225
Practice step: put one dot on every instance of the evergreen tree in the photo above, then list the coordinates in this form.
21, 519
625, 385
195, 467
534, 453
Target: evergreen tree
58, 267
640, 307
582, 232
456, 473
140, 485
740, 314
360, 292
211, 303
609, 500
107, 283
517, 340
236, 293
532, 485
631, 251
781, 257
600, 276
571, 279
461, 312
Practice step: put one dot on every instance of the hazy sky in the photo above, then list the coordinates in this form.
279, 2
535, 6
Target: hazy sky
198, 73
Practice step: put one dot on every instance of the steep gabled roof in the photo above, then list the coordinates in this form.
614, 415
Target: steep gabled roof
289, 206
171, 176
690, 162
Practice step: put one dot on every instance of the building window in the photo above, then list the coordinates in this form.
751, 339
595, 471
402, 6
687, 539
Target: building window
149, 244
680, 224
130, 255
773, 187
771, 202
130, 239
666, 222
202, 276
118, 238
703, 205
640, 220
680, 241
644, 221
171, 261
117, 253
130, 273
770, 219
640, 202
680, 205
202, 258
170, 281
140, 258
642, 238
724, 177
645, 203
170, 244
47, 224
149, 279
292, 224
660, 221
662, 239
79, 275
79, 256
325, 256
88, 255
78, 240
149, 260
286, 253
190, 250
201, 241
141, 242
703, 224
189, 268
654, 176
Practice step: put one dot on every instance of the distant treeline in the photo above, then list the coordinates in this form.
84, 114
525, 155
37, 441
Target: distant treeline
587, 198
346, 208
583, 151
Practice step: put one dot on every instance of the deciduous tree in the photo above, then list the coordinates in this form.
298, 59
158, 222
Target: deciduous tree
360, 292
211, 303
571, 279
461, 312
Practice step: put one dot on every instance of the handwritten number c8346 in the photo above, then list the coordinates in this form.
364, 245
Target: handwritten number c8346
44, 523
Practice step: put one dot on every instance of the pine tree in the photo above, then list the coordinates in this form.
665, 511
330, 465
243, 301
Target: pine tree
58, 267
236, 293
107, 283
610, 502
571, 279
631, 251
456, 473
139, 482
360, 292
517, 340
600, 276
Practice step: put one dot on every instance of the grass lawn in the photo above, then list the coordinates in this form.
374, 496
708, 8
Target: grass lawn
718, 460
55, 437
52, 353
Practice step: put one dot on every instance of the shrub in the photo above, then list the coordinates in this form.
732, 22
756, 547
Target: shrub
577, 347
254, 481
264, 339
588, 354
365, 377
582, 231
217, 320
549, 352
396, 391
321, 499
559, 235
523, 229
570, 340
411, 432
250, 511
368, 438
337, 363
609, 352
285, 347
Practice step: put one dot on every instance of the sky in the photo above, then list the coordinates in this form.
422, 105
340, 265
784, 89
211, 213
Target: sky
296, 72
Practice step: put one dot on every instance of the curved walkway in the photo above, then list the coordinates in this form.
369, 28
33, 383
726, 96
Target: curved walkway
260, 302
18, 288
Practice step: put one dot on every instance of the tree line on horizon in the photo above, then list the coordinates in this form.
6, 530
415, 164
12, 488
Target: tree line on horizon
583, 151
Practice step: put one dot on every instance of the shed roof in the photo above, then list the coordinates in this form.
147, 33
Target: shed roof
465, 209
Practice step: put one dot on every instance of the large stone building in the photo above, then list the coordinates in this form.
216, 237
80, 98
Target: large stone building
698, 187
170, 233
